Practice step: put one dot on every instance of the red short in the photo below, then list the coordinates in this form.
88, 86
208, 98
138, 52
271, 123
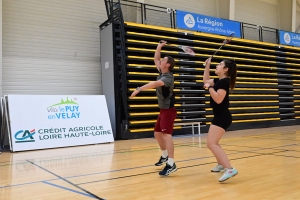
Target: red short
165, 120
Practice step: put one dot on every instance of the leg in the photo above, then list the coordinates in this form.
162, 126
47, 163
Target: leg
160, 139
167, 122
169, 145
168, 117
170, 166
214, 135
158, 134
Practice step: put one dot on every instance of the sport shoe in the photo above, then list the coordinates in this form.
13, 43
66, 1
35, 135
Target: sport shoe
161, 161
228, 174
168, 170
217, 168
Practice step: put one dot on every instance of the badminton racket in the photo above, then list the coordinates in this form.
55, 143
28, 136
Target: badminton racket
226, 41
186, 49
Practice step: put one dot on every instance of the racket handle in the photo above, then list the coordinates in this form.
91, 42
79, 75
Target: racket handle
204, 64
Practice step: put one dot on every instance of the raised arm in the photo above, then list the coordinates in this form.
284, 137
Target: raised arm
206, 74
157, 54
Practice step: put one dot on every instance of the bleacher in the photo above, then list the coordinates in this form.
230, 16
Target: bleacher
268, 83
267, 90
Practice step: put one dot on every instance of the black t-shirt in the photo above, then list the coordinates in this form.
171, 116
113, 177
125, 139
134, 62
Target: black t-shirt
221, 84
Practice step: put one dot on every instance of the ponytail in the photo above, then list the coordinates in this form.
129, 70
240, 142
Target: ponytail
231, 73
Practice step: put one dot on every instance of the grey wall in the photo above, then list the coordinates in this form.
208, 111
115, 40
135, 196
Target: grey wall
285, 14
107, 64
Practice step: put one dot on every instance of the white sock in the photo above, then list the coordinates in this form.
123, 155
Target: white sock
164, 153
171, 161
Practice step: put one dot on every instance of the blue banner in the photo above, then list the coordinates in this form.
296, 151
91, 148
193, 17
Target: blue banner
289, 38
192, 21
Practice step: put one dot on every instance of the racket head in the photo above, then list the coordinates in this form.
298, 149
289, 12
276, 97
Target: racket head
188, 50
228, 39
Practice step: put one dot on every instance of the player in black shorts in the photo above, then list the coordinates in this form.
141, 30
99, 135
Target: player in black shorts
219, 101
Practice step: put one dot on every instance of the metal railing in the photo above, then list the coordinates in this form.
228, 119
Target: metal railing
250, 31
269, 35
133, 11
260, 33
162, 16
159, 16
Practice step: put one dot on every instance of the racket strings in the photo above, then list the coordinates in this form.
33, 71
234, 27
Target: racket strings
188, 50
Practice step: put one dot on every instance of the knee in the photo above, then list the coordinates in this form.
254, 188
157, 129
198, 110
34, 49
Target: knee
167, 136
210, 145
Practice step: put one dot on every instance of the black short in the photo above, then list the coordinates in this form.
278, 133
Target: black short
222, 119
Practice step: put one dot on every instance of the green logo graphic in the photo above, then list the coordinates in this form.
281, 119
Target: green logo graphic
62, 102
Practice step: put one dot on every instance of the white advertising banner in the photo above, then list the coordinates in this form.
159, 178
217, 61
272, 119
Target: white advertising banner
50, 121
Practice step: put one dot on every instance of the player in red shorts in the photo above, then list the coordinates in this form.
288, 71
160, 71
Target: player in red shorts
166, 100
